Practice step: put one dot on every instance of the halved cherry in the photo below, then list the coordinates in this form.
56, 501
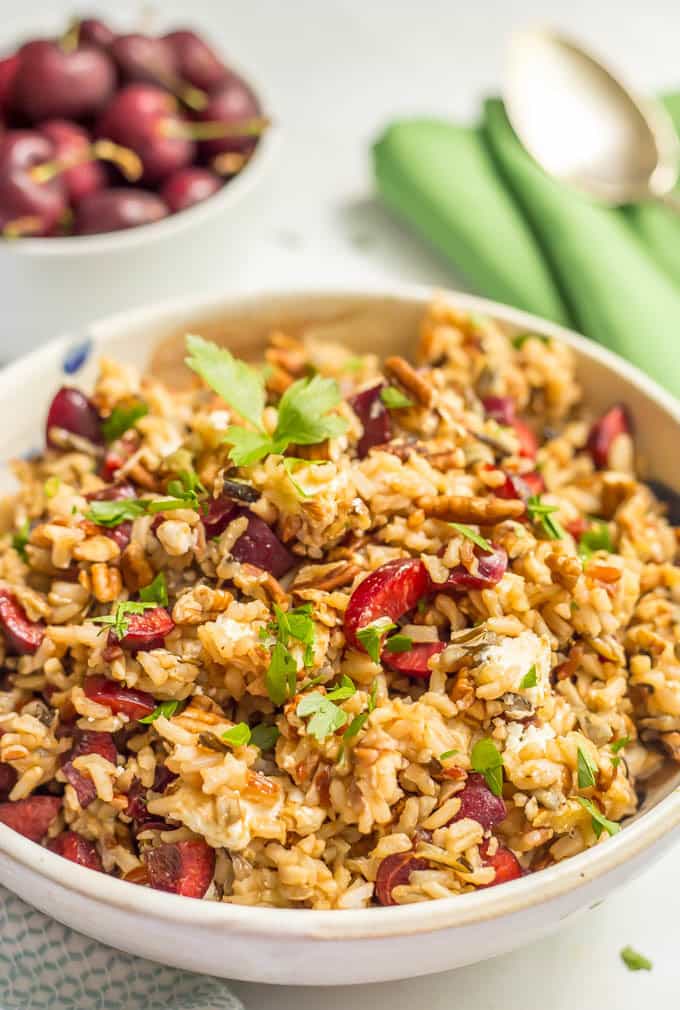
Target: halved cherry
182, 867
393, 871
390, 591
415, 662
616, 421
491, 568
73, 846
23, 636
120, 699
577, 527
87, 742
72, 411
374, 417
145, 631
32, 816
502, 410
504, 863
259, 545
479, 803
8, 778
522, 487
528, 443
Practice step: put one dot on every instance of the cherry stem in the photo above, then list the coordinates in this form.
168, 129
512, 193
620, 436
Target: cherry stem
229, 162
182, 130
21, 226
126, 160
71, 37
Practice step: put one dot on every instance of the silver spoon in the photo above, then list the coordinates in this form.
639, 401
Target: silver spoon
583, 126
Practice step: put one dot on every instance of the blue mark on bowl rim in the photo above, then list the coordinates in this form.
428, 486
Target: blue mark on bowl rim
76, 356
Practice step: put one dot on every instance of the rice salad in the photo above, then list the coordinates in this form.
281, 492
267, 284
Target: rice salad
325, 631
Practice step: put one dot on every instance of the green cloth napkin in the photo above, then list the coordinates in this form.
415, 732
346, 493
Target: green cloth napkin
520, 237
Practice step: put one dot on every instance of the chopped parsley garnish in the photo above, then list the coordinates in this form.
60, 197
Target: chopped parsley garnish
166, 709
616, 746
635, 961
121, 418
119, 621
373, 696
355, 726
51, 486
326, 716
187, 488
448, 754
543, 514
399, 643
470, 534
238, 735
20, 539
599, 821
595, 538
264, 736
371, 635
530, 679
156, 592
393, 398
345, 690
520, 340
281, 676
304, 416
290, 463
586, 770
486, 760
113, 513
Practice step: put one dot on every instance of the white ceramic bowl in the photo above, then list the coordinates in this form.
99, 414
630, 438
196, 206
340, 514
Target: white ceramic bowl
81, 278
324, 947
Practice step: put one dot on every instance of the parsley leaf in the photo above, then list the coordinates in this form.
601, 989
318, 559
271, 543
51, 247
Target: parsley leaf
587, 770
20, 539
373, 696
634, 961
113, 513
538, 512
394, 399
166, 709
345, 690
326, 716
530, 679
595, 538
599, 821
281, 676
51, 486
619, 744
156, 592
399, 643
355, 726
121, 418
470, 534
486, 760
520, 340
448, 754
187, 488
303, 413
118, 621
264, 736
247, 447
238, 735
237, 383
371, 634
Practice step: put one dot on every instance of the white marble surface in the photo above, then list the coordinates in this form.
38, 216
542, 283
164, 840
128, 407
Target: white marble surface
339, 71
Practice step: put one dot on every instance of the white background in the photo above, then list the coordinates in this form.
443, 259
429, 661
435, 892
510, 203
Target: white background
338, 71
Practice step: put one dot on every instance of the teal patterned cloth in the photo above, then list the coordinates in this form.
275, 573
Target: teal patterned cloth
46, 966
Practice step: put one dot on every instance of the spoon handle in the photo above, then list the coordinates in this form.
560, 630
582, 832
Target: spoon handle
670, 200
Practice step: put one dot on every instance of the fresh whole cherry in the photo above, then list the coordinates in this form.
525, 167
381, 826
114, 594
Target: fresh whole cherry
53, 82
231, 104
116, 209
28, 206
8, 71
189, 186
195, 61
94, 32
72, 143
141, 58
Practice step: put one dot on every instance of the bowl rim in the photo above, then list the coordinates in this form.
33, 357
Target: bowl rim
171, 226
365, 923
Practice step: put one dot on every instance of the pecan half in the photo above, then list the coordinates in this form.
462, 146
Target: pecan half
463, 509
404, 373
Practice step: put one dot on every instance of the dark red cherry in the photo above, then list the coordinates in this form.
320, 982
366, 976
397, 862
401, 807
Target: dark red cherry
182, 867
116, 209
195, 61
94, 32
188, 186
72, 143
143, 58
52, 82
28, 206
232, 103
74, 412
8, 71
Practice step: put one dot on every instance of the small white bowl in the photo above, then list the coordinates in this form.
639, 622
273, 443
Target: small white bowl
304, 947
81, 278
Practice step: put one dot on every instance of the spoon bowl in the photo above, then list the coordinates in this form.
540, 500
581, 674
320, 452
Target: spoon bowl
583, 125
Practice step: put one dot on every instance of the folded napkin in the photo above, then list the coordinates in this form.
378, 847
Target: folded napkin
46, 966
519, 236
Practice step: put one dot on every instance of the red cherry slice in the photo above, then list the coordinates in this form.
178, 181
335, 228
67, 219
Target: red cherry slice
30, 817
145, 631
73, 411
87, 742
23, 636
504, 863
182, 867
394, 870
120, 699
374, 417
390, 591
73, 846
415, 662
479, 803
616, 421
259, 545
528, 443
8, 778
490, 569
502, 410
